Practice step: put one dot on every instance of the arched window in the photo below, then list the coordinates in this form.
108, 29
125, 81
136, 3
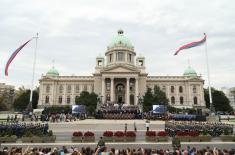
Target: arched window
194, 89
164, 88
181, 100
77, 88
195, 100
85, 88
60, 99
181, 89
68, 99
69, 89
61, 89
47, 100
172, 89
47, 89
172, 100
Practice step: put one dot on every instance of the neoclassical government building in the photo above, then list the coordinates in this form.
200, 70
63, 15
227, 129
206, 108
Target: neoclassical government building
120, 77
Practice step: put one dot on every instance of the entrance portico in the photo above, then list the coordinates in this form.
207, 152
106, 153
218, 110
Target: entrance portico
120, 89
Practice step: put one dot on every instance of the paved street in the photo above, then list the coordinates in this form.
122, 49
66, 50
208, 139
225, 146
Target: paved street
64, 131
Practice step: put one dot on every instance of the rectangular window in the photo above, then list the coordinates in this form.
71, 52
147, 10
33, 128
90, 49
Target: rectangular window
108, 86
110, 58
130, 60
141, 63
120, 56
99, 63
68, 99
47, 88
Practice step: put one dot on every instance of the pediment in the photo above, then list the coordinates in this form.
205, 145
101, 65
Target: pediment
120, 69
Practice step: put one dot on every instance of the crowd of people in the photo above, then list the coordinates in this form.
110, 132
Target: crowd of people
20, 129
214, 129
116, 111
112, 151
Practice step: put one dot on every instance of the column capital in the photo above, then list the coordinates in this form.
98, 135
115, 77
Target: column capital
111, 78
103, 78
128, 78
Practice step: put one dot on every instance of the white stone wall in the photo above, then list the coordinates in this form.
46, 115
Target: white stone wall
186, 83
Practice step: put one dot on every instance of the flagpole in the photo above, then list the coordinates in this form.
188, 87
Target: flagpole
34, 63
208, 75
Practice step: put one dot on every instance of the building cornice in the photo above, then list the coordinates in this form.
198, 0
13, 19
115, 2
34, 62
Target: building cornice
174, 78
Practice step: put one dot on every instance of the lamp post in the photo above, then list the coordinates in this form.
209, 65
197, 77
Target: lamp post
99, 102
140, 103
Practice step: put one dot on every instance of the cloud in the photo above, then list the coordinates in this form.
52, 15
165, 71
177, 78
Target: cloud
73, 33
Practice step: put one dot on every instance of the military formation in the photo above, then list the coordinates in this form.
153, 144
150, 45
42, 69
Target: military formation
214, 129
20, 129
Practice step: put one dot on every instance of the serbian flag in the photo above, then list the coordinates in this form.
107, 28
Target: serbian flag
192, 44
13, 56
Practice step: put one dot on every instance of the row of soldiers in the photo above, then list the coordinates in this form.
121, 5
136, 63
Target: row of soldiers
20, 129
212, 128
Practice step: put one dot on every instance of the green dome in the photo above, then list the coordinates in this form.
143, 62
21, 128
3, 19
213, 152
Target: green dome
120, 40
52, 72
190, 72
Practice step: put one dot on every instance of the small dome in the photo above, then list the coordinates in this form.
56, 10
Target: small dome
52, 72
120, 40
190, 72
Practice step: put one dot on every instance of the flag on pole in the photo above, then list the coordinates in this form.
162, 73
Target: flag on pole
13, 56
192, 44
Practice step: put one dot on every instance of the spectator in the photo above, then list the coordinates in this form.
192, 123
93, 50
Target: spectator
101, 143
147, 123
125, 127
135, 128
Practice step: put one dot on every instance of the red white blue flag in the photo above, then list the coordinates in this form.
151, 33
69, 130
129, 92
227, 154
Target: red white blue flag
13, 56
192, 44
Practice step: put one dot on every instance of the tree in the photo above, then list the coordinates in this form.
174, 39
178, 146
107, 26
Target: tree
154, 97
3, 106
89, 100
148, 100
220, 101
22, 99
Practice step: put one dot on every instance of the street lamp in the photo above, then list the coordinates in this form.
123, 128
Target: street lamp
99, 102
140, 103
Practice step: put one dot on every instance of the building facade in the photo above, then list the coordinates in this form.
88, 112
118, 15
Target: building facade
230, 94
120, 77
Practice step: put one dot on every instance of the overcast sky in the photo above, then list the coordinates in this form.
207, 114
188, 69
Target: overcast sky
74, 32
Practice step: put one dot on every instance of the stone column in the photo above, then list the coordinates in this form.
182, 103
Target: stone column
103, 89
64, 94
136, 90
112, 89
128, 90
73, 92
